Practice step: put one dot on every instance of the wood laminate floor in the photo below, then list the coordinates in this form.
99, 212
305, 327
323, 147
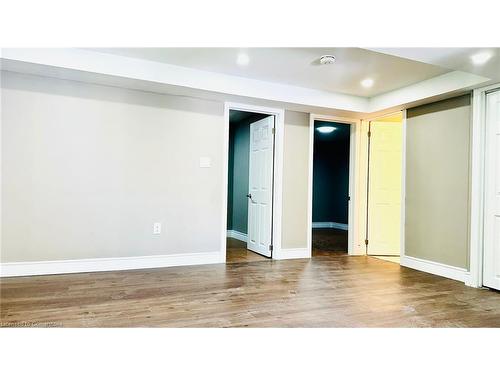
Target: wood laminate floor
329, 290
329, 240
237, 252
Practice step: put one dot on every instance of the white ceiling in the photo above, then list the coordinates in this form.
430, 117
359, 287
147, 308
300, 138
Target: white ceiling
114, 69
299, 66
452, 58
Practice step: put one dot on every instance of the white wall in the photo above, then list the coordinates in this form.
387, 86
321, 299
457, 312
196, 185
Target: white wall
87, 169
295, 180
437, 182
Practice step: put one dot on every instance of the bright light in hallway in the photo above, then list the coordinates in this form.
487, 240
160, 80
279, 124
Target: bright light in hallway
242, 59
326, 129
481, 58
368, 82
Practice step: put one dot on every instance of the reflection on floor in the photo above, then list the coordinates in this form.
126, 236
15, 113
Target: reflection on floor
236, 252
393, 259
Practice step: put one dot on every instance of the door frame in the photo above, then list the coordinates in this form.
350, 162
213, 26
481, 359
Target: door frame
279, 126
478, 174
354, 170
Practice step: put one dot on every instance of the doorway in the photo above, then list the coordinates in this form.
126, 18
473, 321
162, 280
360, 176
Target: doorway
330, 187
384, 174
251, 201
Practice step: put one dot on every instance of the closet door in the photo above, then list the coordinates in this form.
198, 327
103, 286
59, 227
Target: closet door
491, 267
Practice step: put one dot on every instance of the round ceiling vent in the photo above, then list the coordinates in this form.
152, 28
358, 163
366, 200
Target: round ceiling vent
327, 59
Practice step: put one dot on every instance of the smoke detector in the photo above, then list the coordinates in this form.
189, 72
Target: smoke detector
327, 59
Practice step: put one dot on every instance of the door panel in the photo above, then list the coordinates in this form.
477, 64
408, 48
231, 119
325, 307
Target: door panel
261, 186
384, 203
491, 259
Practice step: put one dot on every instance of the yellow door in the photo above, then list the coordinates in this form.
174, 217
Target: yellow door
384, 188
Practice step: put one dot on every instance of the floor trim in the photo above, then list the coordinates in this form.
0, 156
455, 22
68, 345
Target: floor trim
106, 264
297, 253
451, 272
329, 224
237, 235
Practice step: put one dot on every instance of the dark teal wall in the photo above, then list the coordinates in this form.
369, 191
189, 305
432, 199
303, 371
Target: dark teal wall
239, 139
230, 179
331, 174
239, 153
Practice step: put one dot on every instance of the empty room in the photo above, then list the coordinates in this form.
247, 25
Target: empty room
150, 193
321, 187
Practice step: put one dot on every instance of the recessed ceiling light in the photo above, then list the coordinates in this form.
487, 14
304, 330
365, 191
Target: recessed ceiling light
326, 129
368, 82
481, 58
242, 59
327, 59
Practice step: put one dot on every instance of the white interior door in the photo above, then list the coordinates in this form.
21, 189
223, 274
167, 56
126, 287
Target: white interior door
491, 259
384, 191
260, 186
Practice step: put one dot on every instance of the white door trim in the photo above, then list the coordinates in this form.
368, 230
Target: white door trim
403, 188
279, 114
353, 169
477, 184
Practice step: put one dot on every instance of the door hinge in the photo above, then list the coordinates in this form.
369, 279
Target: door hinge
274, 130
271, 247
369, 134
366, 242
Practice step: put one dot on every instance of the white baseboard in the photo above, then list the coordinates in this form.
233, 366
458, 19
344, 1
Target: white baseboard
237, 235
330, 225
451, 272
107, 264
297, 253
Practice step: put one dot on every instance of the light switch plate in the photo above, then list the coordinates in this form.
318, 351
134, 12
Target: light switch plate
156, 228
205, 162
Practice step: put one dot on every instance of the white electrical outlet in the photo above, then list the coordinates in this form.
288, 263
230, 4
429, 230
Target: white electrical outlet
156, 228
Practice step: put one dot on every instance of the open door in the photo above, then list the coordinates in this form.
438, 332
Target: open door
491, 259
384, 188
260, 183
